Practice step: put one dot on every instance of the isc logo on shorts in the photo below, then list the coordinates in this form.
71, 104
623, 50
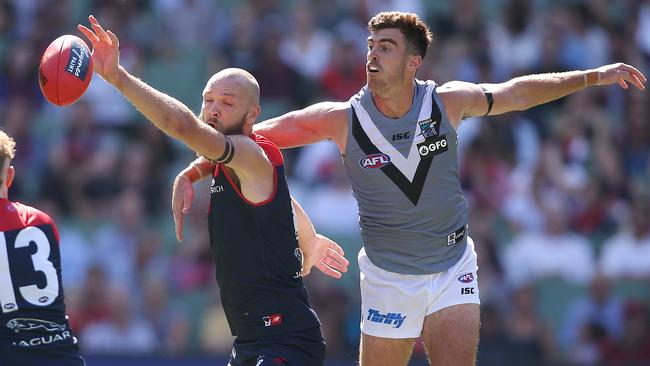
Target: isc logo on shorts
396, 319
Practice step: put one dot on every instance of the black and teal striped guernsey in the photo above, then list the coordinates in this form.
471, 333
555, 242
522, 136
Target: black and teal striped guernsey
256, 256
404, 175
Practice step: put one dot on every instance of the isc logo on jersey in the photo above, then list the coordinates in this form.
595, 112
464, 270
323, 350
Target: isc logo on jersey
374, 161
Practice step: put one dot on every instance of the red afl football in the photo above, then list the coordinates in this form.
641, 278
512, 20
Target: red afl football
66, 69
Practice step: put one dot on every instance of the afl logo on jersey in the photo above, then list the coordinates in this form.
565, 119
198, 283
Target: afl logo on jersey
374, 161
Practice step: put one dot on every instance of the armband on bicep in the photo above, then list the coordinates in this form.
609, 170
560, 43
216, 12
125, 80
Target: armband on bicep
489, 98
226, 157
228, 152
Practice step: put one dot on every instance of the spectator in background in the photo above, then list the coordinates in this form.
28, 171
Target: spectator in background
307, 49
553, 252
531, 341
591, 318
633, 348
122, 331
626, 255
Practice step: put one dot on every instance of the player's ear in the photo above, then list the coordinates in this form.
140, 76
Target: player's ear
253, 113
10, 175
414, 62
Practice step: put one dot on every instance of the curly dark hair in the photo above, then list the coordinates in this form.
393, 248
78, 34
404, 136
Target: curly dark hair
417, 33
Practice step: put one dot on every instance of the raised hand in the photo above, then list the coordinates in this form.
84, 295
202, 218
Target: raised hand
325, 255
622, 74
182, 197
105, 50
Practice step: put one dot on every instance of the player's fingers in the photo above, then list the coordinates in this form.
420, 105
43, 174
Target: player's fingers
92, 37
637, 82
622, 83
114, 41
337, 262
635, 72
188, 197
339, 259
178, 225
101, 33
328, 270
337, 248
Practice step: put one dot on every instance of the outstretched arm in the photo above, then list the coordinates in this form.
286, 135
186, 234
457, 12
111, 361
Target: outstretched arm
168, 114
462, 99
319, 250
326, 120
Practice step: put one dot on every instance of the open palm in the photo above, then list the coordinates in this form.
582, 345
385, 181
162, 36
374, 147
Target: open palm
326, 255
105, 50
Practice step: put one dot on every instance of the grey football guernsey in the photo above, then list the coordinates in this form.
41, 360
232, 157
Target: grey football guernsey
404, 175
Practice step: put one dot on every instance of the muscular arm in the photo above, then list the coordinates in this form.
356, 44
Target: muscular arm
462, 99
327, 120
170, 115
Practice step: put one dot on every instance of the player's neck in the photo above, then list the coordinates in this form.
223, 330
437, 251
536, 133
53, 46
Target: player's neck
396, 102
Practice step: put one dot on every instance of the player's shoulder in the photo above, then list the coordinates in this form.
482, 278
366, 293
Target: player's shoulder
271, 150
455, 92
455, 86
15, 214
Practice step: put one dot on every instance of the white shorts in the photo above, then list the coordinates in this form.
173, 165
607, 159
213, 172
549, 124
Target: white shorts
394, 305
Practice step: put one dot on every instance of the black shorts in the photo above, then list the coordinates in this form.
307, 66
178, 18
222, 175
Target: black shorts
301, 348
51, 356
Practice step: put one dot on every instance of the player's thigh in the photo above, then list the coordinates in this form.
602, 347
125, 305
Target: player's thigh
392, 305
451, 335
378, 351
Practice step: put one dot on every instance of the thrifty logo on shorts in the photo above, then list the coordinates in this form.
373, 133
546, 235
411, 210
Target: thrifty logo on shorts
396, 319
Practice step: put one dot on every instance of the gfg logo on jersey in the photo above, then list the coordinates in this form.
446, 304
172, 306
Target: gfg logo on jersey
374, 161
433, 146
396, 319
466, 278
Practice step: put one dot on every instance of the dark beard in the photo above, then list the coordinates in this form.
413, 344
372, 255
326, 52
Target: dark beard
234, 130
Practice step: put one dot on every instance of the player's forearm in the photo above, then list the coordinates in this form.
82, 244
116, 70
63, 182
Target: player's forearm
532, 90
286, 131
306, 231
166, 113
198, 169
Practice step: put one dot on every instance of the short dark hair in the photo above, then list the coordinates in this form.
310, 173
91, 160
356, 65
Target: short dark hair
417, 34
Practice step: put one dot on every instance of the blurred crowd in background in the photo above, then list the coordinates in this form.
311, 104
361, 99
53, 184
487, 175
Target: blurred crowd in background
559, 194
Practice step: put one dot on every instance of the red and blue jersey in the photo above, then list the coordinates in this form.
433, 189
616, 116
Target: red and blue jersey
32, 309
256, 256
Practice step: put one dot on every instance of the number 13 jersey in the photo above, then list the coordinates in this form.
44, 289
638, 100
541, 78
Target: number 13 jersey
32, 308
